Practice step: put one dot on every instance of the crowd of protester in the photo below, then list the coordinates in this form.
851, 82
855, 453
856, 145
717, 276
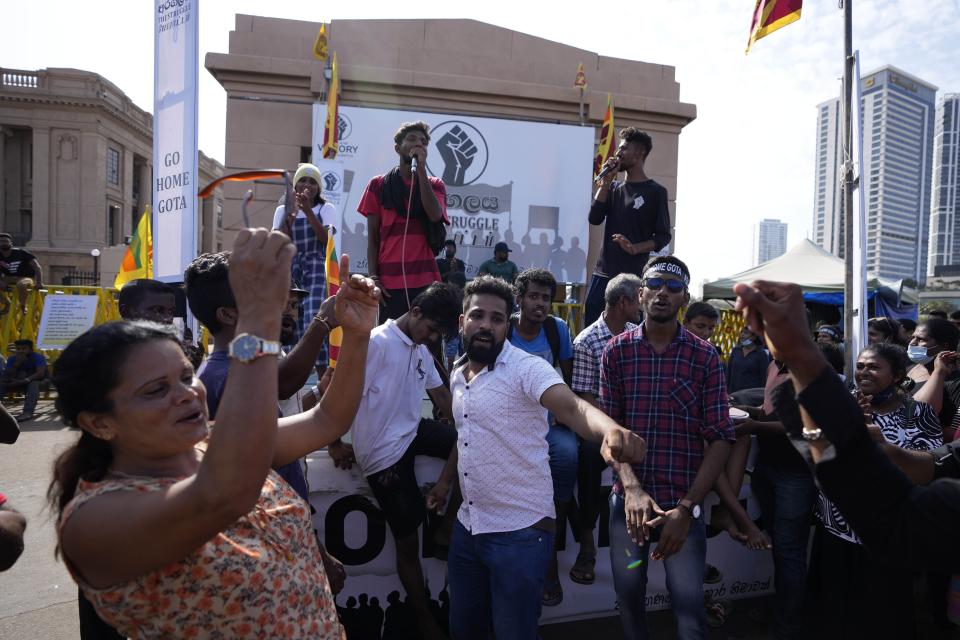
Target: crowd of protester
182, 509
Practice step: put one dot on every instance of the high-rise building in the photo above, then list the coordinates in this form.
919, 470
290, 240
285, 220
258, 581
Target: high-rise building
944, 245
769, 240
898, 121
827, 203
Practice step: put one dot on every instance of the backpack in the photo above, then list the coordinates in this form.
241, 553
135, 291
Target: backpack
549, 328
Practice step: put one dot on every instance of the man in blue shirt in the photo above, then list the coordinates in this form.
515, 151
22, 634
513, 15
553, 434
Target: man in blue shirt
24, 371
537, 332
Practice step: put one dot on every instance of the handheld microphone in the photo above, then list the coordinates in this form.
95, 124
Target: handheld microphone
607, 170
413, 164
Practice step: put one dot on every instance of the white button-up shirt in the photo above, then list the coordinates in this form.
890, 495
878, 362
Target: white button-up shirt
504, 461
398, 371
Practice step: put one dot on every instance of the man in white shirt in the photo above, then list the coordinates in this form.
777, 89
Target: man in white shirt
503, 538
389, 430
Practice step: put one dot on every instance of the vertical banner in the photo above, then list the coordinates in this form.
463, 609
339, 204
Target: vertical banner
859, 302
175, 64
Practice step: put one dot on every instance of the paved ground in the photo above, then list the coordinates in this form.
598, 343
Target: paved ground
37, 596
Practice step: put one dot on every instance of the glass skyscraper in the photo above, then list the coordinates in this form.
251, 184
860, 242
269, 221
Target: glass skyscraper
944, 246
898, 122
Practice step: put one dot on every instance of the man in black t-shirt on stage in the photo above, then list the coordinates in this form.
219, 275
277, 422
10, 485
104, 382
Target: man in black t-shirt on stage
636, 215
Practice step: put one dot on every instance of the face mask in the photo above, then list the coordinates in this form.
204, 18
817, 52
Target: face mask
918, 355
746, 343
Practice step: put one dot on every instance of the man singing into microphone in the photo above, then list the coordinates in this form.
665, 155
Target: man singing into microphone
636, 214
400, 259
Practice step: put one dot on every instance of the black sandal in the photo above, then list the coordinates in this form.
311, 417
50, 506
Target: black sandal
582, 571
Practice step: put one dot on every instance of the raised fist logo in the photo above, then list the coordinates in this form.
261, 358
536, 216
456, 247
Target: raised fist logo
458, 151
344, 127
330, 181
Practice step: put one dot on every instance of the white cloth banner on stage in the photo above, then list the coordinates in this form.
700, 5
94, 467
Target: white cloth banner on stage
350, 524
175, 187
523, 183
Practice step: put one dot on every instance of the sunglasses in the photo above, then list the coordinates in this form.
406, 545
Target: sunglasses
673, 286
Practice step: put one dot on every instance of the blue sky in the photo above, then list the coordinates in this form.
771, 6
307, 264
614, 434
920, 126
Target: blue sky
749, 155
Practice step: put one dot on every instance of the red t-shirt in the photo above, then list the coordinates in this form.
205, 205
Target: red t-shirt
411, 262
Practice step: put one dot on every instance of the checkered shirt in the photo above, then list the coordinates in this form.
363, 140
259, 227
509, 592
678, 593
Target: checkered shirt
675, 401
587, 349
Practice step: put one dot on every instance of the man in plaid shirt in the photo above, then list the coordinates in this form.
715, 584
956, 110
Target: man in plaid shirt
621, 313
667, 385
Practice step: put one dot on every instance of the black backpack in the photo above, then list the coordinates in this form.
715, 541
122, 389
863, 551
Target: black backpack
549, 328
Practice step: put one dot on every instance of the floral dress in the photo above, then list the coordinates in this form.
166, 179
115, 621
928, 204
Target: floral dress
261, 577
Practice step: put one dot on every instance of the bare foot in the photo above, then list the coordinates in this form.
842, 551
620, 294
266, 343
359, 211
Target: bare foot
742, 529
721, 519
757, 539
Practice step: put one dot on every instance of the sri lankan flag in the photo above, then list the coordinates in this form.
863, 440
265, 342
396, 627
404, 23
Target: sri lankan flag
606, 147
332, 268
138, 260
770, 15
320, 44
331, 130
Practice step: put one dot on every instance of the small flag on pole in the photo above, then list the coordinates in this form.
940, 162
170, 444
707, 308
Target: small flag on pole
138, 260
320, 44
332, 268
581, 81
331, 130
770, 15
605, 148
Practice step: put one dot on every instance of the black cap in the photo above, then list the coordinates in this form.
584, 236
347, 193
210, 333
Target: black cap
502, 246
297, 288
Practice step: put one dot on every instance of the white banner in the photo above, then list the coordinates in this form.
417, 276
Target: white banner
524, 183
175, 64
64, 318
353, 529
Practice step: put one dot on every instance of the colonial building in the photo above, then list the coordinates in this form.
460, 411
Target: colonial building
76, 166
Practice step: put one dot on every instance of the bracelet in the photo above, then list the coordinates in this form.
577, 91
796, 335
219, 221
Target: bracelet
323, 321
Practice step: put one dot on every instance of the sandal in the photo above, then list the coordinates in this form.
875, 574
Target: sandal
552, 594
582, 570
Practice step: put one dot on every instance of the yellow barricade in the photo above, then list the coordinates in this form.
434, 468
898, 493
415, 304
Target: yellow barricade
16, 325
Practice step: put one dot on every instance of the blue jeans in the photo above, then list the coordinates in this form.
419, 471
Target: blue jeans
563, 461
786, 500
496, 581
684, 578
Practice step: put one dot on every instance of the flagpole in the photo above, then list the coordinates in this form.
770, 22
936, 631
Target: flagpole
848, 186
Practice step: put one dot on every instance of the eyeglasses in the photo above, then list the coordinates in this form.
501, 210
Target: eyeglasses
673, 286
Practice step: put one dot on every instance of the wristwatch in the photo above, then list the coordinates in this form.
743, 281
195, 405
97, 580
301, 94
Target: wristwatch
690, 508
812, 436
247, 347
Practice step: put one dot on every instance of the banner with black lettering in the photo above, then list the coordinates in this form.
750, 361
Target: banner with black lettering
353, 529
523, 183
175, 65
